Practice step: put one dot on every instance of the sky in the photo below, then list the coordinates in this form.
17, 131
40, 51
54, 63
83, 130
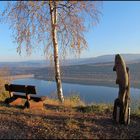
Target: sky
118, 31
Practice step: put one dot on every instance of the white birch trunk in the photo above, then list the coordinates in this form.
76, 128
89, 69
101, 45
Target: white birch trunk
53, 13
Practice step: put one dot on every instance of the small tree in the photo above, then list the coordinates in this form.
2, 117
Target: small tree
56, 25
4, 77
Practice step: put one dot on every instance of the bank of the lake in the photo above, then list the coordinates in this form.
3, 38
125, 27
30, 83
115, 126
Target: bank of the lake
63, 121
87, 93
90, 81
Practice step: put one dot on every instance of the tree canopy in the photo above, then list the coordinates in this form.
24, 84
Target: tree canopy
30, 21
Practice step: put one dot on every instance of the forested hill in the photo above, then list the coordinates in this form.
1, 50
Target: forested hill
90, 74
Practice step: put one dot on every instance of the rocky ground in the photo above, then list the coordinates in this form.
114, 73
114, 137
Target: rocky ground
57, 122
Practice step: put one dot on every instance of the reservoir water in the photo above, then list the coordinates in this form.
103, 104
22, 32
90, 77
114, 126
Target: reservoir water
88, 93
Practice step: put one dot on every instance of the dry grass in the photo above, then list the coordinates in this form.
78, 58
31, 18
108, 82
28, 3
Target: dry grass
64, 122
49, 123
71, 101
70, 120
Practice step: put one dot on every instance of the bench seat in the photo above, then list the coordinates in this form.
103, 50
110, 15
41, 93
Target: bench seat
35, 98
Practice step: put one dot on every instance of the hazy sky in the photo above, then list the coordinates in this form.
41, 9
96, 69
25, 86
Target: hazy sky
117, 32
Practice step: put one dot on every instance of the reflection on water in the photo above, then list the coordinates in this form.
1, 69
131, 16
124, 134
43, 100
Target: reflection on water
89, 94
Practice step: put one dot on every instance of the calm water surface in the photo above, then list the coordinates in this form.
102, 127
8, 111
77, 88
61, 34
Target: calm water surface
89, 94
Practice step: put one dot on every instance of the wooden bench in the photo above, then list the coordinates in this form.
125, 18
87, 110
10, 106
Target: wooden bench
15, 98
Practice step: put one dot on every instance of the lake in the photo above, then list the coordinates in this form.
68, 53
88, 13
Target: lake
88, 93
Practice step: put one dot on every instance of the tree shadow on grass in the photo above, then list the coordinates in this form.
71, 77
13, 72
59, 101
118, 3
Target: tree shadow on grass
2, 103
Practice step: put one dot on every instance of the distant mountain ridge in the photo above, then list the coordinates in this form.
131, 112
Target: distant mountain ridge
111, 58
129, 58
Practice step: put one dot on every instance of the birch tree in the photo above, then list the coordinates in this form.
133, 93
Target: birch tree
57, 26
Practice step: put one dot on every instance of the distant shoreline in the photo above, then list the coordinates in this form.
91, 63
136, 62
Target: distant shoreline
90, 82
21, 76
111, 83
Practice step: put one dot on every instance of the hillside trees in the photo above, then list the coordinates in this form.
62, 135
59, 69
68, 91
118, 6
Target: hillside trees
58, 26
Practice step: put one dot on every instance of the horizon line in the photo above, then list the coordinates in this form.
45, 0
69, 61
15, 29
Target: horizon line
47, 60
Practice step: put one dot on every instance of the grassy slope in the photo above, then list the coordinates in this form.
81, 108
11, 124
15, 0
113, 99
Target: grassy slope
67, 121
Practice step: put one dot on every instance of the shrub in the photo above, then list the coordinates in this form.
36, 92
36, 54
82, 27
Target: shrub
98, 108
4, 78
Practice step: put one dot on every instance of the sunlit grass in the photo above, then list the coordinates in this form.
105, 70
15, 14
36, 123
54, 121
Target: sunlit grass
70, 101
74, 101
3, 95
135, 107
95, 108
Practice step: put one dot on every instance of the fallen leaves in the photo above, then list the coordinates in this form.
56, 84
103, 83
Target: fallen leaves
16, 123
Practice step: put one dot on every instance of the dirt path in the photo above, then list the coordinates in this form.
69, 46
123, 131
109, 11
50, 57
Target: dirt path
63, 123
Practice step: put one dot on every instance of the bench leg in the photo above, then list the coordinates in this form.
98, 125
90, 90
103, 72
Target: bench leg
34, 105
27, 104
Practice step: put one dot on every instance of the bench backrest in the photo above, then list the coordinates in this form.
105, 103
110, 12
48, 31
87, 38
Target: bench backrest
29, 89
